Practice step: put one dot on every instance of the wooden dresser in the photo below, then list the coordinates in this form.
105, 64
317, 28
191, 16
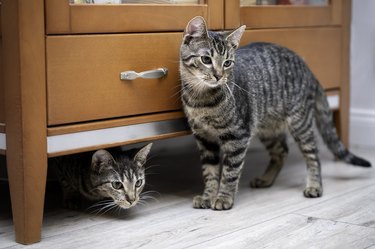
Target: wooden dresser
62, 91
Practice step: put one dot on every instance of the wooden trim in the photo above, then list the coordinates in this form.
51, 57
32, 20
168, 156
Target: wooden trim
65, 18
0, 21
338, 16
342, 118
2, 128
65, 129
57, 17
25, 114
232, 14
276, 16
2, 101
2, 111
215, 14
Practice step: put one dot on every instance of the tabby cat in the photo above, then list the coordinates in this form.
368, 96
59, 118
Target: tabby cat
229, 95
120, 178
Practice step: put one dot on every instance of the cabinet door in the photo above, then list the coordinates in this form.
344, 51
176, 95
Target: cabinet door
75, 17
319, 47
282, 13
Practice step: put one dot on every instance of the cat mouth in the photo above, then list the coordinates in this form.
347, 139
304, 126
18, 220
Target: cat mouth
126, 205
214, 83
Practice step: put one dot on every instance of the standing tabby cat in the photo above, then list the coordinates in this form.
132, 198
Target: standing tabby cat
120, 177
229, 95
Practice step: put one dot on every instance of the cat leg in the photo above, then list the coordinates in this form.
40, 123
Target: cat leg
232, 163
301, 128
210, 158
278, 150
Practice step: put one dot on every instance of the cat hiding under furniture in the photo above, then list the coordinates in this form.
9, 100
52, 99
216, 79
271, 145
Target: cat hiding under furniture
118, 177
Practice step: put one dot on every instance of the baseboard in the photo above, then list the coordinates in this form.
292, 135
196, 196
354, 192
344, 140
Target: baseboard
362, 128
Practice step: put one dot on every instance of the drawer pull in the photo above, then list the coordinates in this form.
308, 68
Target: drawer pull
151, 74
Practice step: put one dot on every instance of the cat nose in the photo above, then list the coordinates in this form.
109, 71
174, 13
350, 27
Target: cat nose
130, 200
218, 76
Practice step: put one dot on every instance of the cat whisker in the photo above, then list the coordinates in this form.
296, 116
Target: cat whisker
149, 158
106, 208
109, 209
150, 192
152, 166
98, 204
148, 197
230, 91
241, 88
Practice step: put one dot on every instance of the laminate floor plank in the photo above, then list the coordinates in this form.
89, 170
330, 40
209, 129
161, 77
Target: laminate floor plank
296, 231
356, 207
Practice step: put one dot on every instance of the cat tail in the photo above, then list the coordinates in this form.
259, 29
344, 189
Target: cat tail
324, 121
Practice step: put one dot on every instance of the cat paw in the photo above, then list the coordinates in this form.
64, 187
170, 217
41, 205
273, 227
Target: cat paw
222, 203
260, 183
313, 192
201, 202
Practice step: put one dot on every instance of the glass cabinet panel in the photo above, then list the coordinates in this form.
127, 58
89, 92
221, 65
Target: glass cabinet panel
134, 1
284, 2
282, 13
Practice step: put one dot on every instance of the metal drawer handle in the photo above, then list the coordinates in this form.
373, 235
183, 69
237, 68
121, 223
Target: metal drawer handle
151, 74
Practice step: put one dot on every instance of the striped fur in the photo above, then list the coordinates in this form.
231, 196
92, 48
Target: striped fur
230, 95
120, 178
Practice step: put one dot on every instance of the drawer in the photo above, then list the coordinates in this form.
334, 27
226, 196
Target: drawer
321, 48
83, 76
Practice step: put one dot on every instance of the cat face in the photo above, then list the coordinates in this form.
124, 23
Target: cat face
207, 58
121, 178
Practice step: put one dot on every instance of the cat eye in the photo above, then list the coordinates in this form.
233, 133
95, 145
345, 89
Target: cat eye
228, 63
206, 59
116, 185
138, 183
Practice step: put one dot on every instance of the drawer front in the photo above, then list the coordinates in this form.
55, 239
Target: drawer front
320, 47
83, 76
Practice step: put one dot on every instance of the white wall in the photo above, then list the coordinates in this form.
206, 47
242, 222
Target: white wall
362, 105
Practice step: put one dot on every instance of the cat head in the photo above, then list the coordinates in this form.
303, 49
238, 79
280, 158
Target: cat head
207, 57
121, 178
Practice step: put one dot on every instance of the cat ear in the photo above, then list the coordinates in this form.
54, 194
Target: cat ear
101, 160
141, 155
235, 36
196, 27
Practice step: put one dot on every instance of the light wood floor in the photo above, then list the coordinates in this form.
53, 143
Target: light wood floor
277, 217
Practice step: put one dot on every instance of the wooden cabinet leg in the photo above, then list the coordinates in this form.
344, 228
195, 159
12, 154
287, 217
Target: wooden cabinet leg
25, 113
27, 179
